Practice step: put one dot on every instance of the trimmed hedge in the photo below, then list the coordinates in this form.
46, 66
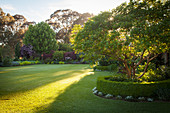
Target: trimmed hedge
112, 67
134, 89
102, 68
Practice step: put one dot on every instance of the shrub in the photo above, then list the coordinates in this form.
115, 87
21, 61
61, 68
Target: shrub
113, 67
7, 62
48, 55
70, 55
27, 51
60, 62
25, 63
102, 68
65, 47
47, 60
163, 93
17, 50
58, 55
15, 63
134, 89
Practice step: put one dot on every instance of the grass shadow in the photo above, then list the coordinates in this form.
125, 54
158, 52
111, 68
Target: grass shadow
78, 98
21, 81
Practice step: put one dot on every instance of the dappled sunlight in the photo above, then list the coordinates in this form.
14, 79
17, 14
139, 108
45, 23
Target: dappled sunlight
41, 97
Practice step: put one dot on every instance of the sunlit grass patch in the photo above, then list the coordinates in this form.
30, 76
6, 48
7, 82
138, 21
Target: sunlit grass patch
63, 88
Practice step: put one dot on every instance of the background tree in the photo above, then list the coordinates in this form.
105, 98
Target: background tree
132, 34
62, 21
41, 37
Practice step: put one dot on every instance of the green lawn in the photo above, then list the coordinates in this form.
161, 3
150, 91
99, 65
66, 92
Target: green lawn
61, 89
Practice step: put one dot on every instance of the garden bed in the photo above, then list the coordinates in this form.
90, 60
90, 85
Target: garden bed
135, 89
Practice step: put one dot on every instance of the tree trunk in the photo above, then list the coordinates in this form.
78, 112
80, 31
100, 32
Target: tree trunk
128, 70
134, 72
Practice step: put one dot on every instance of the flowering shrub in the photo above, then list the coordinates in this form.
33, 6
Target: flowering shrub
50, 55
27, 51
72, 55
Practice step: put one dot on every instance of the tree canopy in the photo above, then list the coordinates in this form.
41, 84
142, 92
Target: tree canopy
41, 37
133, 34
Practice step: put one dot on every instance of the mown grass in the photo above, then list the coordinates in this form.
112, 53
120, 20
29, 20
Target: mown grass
61, 89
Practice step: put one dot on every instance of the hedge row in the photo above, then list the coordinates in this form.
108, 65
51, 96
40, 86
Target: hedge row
112, 67
134, 89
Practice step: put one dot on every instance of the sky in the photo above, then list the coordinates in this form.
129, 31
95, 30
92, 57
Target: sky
40, 10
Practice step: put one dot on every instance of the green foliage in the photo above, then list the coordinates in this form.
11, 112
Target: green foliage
61, 62
153, 73
132, 34
17, 50
65, 47
25, 63
0, 54
7, 61
41, 37
58, 55
135, 89
47, 60
102, 68
163, 93
113, 67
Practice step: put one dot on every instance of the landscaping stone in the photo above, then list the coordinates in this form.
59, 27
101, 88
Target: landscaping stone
141, 98
129, 98
100, 93
109, 96
150, 99
95, 88
95, 92
119, 97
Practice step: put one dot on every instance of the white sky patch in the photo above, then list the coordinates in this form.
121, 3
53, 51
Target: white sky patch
8, 7
83, 6
40, 10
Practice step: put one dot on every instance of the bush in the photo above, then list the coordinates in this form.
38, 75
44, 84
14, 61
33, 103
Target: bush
7, 62
134, 89
58, 55
163, 93
27, 51
47, 61
70, 56
65, 47
61, 62
17, 50
113, 67
102, 68
26, 63
15, 63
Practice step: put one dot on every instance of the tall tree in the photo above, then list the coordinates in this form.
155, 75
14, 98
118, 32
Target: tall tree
41, 37
62, 21
132, 34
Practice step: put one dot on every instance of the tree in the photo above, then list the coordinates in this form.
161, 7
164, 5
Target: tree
62, 22
10, 33
41, 37
132, 34
18, 50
